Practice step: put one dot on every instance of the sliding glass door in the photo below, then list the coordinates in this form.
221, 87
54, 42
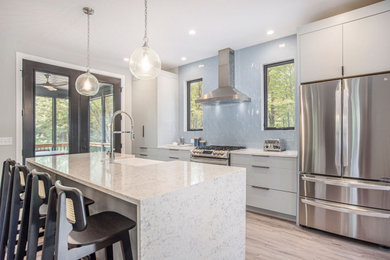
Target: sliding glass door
57, 120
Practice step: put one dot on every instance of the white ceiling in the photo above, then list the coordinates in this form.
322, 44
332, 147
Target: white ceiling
117, 26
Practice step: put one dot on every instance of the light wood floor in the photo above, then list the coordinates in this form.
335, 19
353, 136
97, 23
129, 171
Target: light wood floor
271, 238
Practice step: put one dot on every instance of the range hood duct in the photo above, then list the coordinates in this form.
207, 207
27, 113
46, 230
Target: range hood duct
225, 93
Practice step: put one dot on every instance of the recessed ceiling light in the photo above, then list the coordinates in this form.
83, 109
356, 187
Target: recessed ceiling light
191, 32
200, 65
126, 59
183, 58
282, 45
270, 32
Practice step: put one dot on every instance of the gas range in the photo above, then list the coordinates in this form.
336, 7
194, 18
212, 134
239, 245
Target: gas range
214, 154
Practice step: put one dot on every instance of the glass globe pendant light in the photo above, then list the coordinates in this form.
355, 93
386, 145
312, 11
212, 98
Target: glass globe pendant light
144, 62
87, 84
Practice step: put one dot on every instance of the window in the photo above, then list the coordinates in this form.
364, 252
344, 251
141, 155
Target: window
194, 110
51, 114
100, 112
279, 96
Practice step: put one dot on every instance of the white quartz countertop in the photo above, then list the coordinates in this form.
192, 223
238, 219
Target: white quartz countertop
177, 147
129, 178
252, 151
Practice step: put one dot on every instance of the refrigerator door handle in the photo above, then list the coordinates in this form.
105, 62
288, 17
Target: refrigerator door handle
346, 208
346, 183
345, 122
338, 126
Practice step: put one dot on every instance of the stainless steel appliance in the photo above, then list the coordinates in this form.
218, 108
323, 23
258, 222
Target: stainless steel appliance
274, 145
344, 160
226, 91
213, 154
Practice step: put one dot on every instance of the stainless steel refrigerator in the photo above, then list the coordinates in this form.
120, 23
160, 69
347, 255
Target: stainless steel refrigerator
344, 157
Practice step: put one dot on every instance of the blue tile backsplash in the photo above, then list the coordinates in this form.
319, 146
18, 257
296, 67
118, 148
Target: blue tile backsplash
242, 123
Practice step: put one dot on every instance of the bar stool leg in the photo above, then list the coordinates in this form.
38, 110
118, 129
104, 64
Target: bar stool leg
109, 253
126, 247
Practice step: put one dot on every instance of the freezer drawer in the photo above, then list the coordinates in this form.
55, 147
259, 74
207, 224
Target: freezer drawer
356, 192
366, 127
320, 128
362, 223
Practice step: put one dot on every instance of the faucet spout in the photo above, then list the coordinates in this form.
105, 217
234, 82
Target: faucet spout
113, 132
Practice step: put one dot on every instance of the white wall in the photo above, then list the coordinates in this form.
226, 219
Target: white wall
9, 45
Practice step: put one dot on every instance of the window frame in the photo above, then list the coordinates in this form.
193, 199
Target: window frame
266, 66
189, 104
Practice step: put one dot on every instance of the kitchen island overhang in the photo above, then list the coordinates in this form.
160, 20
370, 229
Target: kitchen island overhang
183, 210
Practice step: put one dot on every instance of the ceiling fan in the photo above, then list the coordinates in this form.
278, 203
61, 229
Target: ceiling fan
51, 86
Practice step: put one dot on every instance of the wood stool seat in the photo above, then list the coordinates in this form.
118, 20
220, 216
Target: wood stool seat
102, 227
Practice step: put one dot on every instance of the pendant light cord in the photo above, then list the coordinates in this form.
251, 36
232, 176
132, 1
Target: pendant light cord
146, 24
88, 32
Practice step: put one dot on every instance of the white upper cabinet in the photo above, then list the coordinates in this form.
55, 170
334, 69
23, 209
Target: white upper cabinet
366, 45
321, 54
350, 44
155, 110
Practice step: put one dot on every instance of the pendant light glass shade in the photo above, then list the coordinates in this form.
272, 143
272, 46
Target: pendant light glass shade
87, 84
145, 63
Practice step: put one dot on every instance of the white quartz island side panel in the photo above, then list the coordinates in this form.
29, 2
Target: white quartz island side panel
185, 210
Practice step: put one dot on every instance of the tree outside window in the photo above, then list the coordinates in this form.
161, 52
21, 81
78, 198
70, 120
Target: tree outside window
279, 96
194, 110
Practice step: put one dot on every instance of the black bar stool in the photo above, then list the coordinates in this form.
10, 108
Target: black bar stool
12, 210
70, 234
5, 179
34, 214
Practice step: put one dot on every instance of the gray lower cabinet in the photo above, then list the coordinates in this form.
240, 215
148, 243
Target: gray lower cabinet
173, 154
146, 153
161, 154
271, 182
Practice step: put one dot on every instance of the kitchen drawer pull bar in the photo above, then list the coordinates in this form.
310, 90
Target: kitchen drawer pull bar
173, 157
346, 208
347, 183
143, 147
170, 149
142, 154
259, 155
258, 187
259, 166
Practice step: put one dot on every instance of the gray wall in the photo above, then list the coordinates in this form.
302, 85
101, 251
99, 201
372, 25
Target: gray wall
238, 124
12, 43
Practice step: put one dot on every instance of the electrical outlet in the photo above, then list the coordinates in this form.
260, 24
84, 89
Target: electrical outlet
5, 140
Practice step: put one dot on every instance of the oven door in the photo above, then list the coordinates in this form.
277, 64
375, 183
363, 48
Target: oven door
210, 160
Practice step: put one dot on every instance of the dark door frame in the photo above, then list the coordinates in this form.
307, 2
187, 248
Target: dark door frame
79, 107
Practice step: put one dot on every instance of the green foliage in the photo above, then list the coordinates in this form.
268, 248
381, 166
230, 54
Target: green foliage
62, 120
196, 110
43, 120
281, 96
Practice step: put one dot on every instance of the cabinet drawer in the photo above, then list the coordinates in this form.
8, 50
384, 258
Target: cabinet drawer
264, 160
174, 154
271, 177
277, 201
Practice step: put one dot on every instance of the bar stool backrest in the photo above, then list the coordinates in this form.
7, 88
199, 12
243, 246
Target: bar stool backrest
8, 166
66, 212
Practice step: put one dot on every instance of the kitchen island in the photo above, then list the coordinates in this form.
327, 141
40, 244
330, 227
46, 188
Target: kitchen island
183, 210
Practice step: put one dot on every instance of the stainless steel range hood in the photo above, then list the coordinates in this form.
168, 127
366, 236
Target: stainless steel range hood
225, 93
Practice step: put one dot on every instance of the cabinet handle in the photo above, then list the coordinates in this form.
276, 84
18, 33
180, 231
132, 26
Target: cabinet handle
170, 149
142, 154
259, 155
258, 166
143, 131
172, 157
143, 147
260, 188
